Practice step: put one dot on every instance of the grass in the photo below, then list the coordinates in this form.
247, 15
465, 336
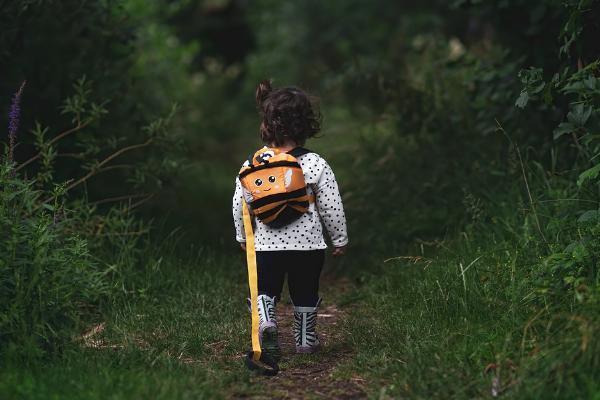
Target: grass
418, 330
179, 340
183, 337
470, 322
101, 375
460, 323
487, 311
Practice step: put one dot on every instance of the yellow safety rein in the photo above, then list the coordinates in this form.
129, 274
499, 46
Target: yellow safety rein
252, 280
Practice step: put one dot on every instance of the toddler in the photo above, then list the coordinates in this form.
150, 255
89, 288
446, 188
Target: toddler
298, 247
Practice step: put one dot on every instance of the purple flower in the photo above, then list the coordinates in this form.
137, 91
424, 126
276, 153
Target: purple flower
13, 121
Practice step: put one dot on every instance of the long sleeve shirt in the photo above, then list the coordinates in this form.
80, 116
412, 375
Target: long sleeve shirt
305, 233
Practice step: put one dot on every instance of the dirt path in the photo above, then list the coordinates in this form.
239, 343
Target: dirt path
311, 376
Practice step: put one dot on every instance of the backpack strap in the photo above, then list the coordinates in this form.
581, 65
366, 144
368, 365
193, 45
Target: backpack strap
251, 160
298, 151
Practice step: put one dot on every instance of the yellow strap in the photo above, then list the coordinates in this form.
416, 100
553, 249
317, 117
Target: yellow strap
252, 280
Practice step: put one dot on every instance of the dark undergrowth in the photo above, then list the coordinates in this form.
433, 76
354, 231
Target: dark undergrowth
482, 314
182, 338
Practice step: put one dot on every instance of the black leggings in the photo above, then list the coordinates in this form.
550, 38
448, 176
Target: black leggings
303, 269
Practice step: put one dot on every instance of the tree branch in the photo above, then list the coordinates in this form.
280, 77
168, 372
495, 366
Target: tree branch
119, 198
98, 168
142, 201
108, 159
76, 128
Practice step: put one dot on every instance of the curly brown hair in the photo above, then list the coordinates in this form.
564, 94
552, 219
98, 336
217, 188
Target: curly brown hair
287, 113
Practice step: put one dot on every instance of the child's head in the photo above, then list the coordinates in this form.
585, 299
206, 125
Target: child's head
288, 115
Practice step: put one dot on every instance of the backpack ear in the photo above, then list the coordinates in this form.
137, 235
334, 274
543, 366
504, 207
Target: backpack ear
288, 177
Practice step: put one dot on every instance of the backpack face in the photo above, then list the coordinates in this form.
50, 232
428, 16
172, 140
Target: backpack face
276, 185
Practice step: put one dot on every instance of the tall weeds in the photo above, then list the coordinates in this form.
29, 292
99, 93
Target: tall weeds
61, 257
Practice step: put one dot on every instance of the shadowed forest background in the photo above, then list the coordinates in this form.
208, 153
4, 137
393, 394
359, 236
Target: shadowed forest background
465, 137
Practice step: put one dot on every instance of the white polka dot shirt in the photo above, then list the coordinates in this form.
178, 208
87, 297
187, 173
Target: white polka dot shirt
306, 233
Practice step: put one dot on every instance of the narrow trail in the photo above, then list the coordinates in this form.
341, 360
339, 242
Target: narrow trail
311, 376
302, 376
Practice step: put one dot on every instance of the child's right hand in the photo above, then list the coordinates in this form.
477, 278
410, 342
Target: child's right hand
243, 246
339, 251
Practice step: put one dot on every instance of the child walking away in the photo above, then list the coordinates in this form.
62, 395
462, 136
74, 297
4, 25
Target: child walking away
291, 194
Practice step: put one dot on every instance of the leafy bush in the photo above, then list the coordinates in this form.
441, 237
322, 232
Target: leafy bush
573, 92
510, 304
48, 278
63, 256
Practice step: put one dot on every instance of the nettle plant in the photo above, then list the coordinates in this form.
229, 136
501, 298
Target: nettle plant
60, 257
574, 91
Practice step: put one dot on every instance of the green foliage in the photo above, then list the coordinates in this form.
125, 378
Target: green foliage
61, 257
48, 276
128, 68
571, 267
61, 260
492, 309
51, 48
177, 340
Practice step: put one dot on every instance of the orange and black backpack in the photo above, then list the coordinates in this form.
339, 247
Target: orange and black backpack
275, 182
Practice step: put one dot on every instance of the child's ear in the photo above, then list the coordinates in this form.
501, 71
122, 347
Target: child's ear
288, 177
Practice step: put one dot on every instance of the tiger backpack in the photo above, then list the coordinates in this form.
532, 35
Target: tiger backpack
275, 187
